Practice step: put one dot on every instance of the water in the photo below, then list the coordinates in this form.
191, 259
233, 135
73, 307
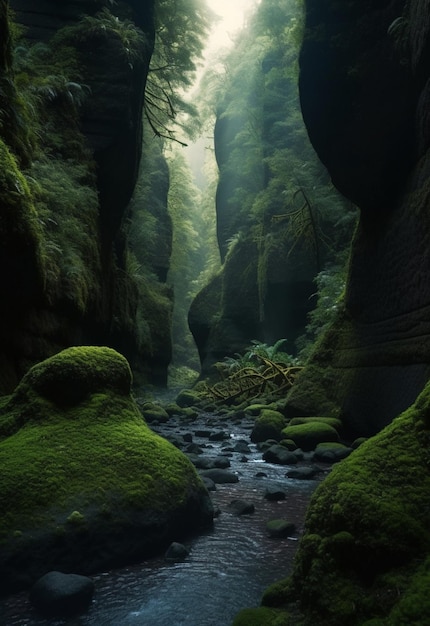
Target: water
227, 569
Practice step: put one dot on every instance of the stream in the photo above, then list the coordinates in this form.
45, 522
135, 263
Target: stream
228, 566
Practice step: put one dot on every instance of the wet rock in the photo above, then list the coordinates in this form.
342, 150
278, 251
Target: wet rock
176, 552
220, 476
219, 435
241, 507
273, 494
302, 473
242, 446
209, 483
203, 433
280, 528
330, 453
205, 462
59, 595
194, 448
261, 475
279, 455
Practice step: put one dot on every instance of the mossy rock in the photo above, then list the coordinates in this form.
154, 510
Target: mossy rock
308, 435
188, 398
268, 425
280, 528
364, 558
68, 377
331, 421
331, 452
87, 485
153, 412
261, 616
289, 444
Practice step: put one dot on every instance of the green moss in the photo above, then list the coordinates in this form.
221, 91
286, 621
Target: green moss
268, 425
308, 435
365, 550
19, 230
331, 421
64, 463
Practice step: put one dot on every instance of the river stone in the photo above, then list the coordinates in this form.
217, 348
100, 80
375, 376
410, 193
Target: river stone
209, 483
330, 453
280, 528
303, 473
206, 462
203, 433
59, 595
242, 446
274, 494
241, 507
193, 448
176, 552
219, 435
279, 455
220, 476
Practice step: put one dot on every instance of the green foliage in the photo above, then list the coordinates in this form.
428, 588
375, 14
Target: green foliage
253, 357
70, 234
180, 31
272, 185
104, 26
330, 284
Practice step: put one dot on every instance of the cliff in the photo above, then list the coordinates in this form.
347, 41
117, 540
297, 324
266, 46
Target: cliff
364, 88
72, 129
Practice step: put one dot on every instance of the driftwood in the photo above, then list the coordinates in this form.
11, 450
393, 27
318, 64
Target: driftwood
249, 382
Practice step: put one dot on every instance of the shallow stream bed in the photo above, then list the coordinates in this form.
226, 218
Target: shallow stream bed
228, 566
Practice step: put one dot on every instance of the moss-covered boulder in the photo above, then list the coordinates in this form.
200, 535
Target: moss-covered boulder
365, 556
308, 435
331, 421
85, 484
268, 425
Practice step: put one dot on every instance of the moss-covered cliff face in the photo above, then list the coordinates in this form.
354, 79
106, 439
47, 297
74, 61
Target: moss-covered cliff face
364, 557
71, 135
277, 212
364, 89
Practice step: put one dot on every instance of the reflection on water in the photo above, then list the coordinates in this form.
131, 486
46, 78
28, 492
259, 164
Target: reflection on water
227, 569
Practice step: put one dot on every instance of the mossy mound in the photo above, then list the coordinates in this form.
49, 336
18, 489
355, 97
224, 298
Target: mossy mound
87, 485
331, 421
188, 397
308, 435
365, 556
268, 425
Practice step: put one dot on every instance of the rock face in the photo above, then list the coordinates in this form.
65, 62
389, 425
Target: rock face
364, 556
85, 483
270, 204
364, 93
79, 74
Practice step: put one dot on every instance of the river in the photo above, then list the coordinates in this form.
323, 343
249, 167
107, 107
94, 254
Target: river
228, 566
